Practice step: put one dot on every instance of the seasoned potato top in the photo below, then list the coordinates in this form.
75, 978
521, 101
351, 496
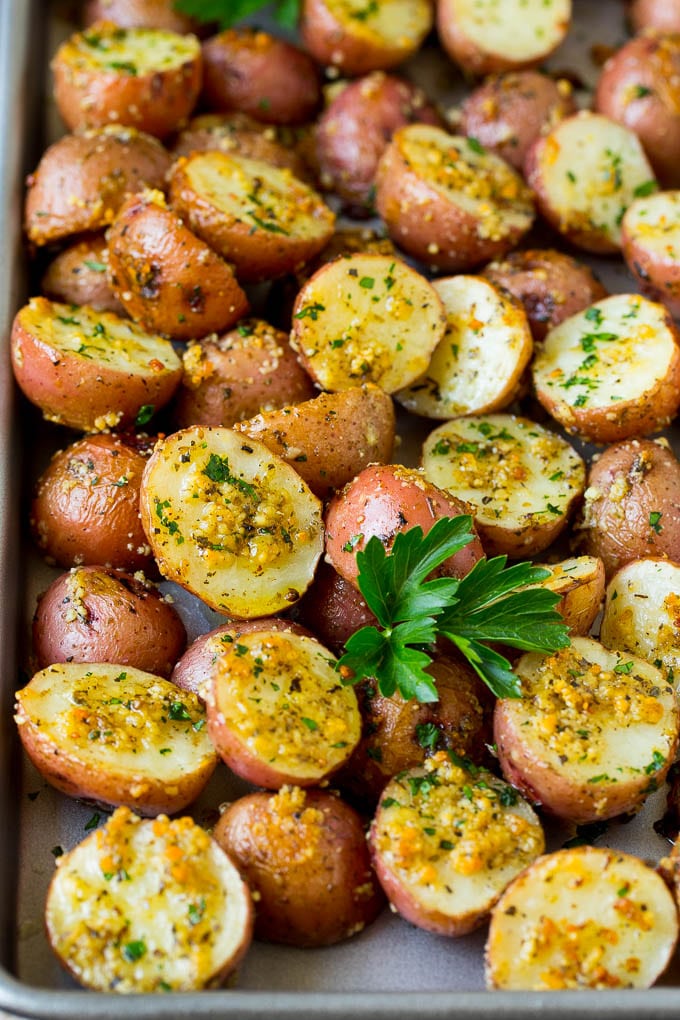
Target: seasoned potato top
519, 29
642, 613
654, 223
132, 51
401, 23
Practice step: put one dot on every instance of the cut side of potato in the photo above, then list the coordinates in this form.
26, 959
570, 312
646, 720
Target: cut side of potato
521, 479
651, 246
580, 583
230, 521
611, 371
116, 735
367, 318
148, 906
582, 918
277, 709
585, 173
593, 734
478, 364
447, 839
642, 613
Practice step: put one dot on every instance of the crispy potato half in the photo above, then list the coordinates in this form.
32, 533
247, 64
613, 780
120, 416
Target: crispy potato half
367, 319
446, 840
238, 133
77, 276
521, 480
148, 906
582, 918
116, 735
580, 583
651, 241
230, 521
594, 733
612, 371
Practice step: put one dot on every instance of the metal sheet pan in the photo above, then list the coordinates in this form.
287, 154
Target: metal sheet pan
391, 970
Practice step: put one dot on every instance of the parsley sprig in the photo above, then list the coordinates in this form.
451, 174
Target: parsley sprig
492, 603
228, 12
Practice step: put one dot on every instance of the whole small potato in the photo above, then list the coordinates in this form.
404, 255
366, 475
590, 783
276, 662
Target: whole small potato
662, 15
140, 14
304, 855
97, 614
77, 276
332, 608
632, 505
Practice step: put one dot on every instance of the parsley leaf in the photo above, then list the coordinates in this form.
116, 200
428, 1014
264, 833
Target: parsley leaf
227, 12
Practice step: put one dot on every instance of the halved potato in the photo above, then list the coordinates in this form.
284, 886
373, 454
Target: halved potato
580, 582
140, 14
367, 318
651, 242
333, 608
116, 735
594, 733
148, 906
586, 917
448, 201
585, 173
478, 364
521, 480
446, 840
277, 709
259, 217
642, 613
240, 134
77, 276
612, 371
230, 521
90, 370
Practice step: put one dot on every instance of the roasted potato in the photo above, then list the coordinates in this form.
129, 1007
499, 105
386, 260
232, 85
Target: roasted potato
77, 276
448, 201
140, 14
594, 733
632, 505
662, 15
81, 181
332, 608
237, 133
580, 582
116, 736
98, 614
612, 371
147, 78
304, 855
128, 908
650, 232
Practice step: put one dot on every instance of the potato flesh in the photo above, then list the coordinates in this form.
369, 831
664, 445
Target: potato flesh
399, 23
642, 613
582, 918
147, 906
475, 366
618, 350
570, 574
653, 223
520, 30
512, 471
133, 51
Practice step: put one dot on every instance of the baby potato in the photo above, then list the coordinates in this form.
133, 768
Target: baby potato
98, 614
580, 582
661, 15
230, 521
585, 173
483, 36
165, 277
612, 371
140, 14
508, 112
330, 438
128, 907
587, 917
551, 286
632, 505
304, 855
358, 37
449, 202
642, 613
81, 181
116, 736
277, 710
382, 501
260, 218
521, 480
367, 319
594, 733
90, 370
640, 87
229, 378
86, 505
240, 134
446, 840
146, 78
77, 276
650, 233
253, 72
333, 608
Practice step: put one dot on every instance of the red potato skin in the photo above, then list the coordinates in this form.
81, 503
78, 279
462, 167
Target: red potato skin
657, 277
69, 279
118, 619
241, 135
255, 73
662, 15
311, 869
384, 500
82, 180
140, 14
355, 129
167, 279
333, 609
81, 515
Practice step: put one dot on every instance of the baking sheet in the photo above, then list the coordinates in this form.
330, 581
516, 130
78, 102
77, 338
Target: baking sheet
391, 969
